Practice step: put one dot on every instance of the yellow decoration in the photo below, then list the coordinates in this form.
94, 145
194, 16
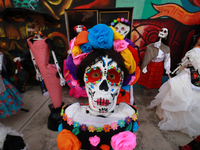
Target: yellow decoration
76, 50
134, 117
129, 61
117, 36
91, 128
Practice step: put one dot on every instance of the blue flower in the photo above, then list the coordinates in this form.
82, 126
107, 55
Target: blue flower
101, 36
76, 125
121, 123
86, 48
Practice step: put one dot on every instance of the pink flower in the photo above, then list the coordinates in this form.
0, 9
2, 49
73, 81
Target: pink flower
94, 141
71, 43
74, 82
120, 45
70, 121
123, 141
114, 125
77, 59
122, 19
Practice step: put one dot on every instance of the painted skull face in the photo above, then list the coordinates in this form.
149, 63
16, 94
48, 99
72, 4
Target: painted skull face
102, 83
122, 29
163, 33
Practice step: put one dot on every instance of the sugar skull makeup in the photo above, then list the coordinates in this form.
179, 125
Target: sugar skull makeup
102, 82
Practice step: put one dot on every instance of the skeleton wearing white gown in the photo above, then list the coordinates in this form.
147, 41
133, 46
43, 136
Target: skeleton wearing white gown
178, 100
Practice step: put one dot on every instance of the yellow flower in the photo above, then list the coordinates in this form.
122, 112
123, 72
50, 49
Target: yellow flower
134, 117
91, 128
129, 60
76, 50
117, 36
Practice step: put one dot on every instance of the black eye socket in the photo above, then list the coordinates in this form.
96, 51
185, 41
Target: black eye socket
165, 31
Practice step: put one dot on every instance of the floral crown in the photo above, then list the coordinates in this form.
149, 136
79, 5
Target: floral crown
122, 20
102, 36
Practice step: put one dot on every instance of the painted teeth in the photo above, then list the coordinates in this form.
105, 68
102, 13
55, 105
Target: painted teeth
102, 102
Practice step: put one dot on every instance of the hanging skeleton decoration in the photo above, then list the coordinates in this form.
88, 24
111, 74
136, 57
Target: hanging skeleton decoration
102, 82
163, 33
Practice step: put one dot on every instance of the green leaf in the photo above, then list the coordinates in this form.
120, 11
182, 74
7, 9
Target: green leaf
129, 127
137, 112
75, 131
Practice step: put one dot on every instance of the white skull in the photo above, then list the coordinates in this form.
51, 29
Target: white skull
102, 83
79, 28
163, 33
122, 29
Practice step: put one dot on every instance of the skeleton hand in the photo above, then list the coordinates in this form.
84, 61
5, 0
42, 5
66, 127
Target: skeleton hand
38, 76
144, 70
16, 59
62, 81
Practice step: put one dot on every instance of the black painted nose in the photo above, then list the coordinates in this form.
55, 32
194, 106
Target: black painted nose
104, 86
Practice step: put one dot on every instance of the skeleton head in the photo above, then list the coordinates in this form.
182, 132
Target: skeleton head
163, 33
122, 29
102, 82
79, 28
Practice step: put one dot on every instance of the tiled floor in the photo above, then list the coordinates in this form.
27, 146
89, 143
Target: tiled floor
33, 124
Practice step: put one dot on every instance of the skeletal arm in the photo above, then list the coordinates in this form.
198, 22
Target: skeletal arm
62, 80
38, 74
185, 61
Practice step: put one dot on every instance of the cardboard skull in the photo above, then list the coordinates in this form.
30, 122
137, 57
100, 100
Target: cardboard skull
102, 83
122, 29
163, 33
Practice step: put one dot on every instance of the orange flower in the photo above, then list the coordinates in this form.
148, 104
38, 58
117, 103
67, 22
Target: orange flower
105, 147
64, 117
67, 140
106, 128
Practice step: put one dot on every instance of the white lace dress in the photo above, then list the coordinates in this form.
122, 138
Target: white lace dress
178, 100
